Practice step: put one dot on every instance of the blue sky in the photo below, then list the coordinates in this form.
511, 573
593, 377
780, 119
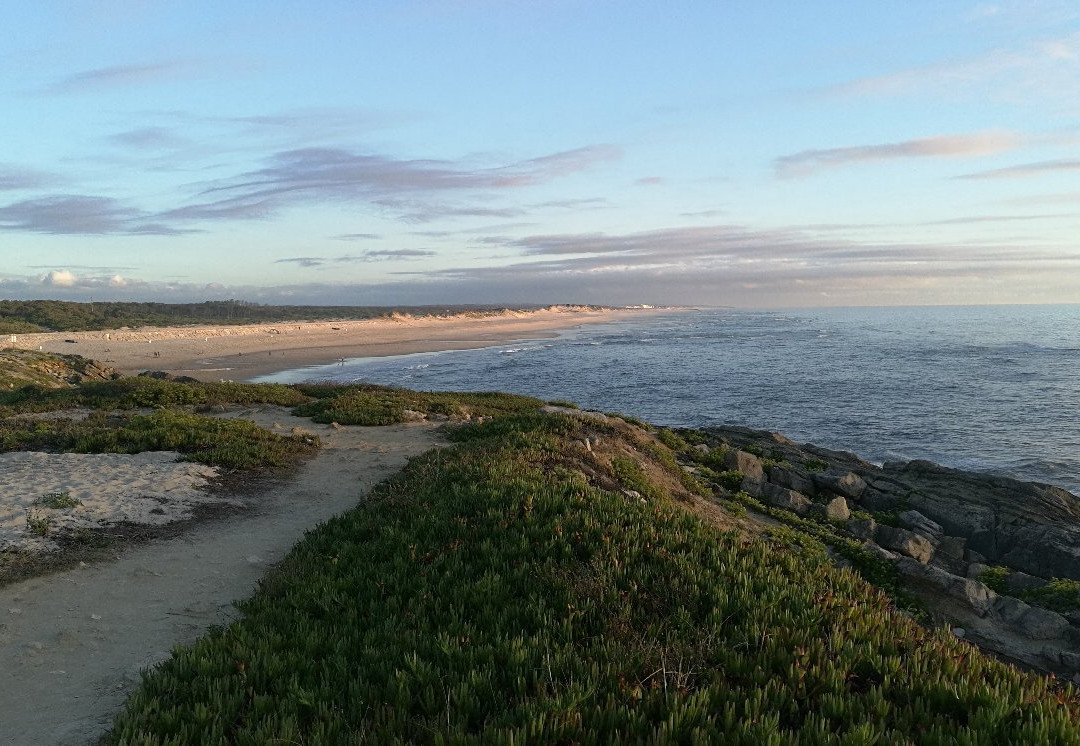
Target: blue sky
757, 154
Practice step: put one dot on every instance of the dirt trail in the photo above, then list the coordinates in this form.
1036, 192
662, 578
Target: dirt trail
72, 644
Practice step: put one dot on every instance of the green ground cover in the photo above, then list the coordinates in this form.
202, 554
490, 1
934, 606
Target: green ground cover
366, 404
143, 391
510, 589
234, 444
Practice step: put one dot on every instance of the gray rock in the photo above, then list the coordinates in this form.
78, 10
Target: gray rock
1042, 624
752, 486
952, 546
880, 553
972, 556
747, 463
950, 564
1069, 659
837, 510
905, 542
790, 479
876, 500
975, 569
862, 528
787, 499
1017, 582
848, 484
920, 524
1030, 527
970, 592
1010, 610
701, 448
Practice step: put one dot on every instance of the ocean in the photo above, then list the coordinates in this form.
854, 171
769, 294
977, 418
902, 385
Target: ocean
988, 388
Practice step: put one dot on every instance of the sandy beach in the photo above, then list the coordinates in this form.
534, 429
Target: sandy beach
241, 353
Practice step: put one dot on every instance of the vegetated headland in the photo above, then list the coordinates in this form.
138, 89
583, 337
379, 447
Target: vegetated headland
554, 575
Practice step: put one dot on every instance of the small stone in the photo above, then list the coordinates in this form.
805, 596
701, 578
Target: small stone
747, 463
837, 510
254, 560
959, 632
95, 617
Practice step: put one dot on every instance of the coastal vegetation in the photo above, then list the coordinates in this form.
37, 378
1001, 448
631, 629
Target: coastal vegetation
548, 579
366, 404
27, 316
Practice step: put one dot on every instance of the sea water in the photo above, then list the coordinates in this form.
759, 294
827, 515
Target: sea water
988, 388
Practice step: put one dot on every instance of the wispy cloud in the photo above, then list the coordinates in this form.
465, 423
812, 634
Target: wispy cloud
374, 255
357, 237
13, 178
115, 76
75, 214
149, 138
414, 189
1046, 69
942, 146
1065, 165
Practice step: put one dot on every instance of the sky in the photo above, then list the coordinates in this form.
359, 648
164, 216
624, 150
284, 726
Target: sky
739, 153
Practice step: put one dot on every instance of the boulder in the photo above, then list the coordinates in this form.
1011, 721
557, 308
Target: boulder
1017, 582
701, 448
1042, 624
975, 569
862, 528
751, 486
915, 521
837, 510
787, 499
950, 564
790, 479
971, 593
848, 484
747, 463
876, 500
952, 546
905, 542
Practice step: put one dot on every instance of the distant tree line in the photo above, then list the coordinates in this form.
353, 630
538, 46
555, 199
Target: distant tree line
27, 316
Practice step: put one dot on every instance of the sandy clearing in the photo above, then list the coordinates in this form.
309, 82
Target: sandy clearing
72, 644
151, 488
240, 353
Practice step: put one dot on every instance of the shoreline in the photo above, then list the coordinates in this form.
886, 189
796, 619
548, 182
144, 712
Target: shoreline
246, 352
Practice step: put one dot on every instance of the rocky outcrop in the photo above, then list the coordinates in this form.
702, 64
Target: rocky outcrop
942, 529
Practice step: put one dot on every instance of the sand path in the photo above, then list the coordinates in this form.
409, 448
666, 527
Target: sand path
72, 644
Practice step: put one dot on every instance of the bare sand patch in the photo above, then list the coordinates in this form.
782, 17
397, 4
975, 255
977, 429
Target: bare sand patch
46, 495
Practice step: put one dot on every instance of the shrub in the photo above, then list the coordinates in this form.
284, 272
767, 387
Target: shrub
1060, 594
994, 578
